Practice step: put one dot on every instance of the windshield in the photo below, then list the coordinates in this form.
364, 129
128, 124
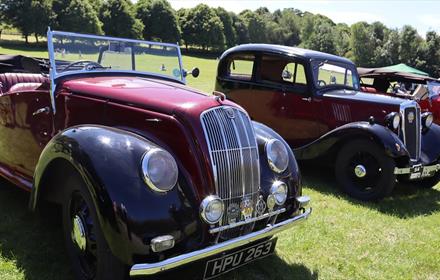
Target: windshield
76, 53
433, 89
335, 74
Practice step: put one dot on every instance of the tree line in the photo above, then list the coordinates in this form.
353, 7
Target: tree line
215, 29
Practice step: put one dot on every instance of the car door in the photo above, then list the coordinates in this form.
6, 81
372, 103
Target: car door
26, 128
274, 90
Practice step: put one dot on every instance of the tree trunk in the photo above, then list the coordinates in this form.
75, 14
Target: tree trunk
36, 38
26, 39
1, 33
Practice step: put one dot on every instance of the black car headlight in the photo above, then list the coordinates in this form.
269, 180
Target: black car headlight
427, 119
277, 155
392, 120
159, 170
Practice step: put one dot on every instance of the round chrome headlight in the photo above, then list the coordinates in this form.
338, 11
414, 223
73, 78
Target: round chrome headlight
427, 119
211, 209
393, 120
277, 155
159, 170
279, 192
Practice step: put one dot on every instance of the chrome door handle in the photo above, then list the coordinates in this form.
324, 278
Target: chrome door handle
44, 110
308, 99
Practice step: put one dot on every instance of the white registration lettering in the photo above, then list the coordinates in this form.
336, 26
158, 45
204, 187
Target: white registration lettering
250, 254
227, 262
218, 267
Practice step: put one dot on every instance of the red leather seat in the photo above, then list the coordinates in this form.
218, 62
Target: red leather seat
8, 80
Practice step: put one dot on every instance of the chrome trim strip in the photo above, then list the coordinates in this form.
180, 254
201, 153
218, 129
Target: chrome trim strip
407, 170
241, 223
145, 269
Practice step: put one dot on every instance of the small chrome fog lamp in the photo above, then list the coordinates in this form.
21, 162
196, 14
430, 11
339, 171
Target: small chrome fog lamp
211, 209
427, 119
279, 192
392, 120
162, 243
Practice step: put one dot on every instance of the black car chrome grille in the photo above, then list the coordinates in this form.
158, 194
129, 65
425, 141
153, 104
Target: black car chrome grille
411, 128
234, 158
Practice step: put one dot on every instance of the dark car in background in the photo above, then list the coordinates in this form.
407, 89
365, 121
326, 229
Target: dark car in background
150, 175
313, 100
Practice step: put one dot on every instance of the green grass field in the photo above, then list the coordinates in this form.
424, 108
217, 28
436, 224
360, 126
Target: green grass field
397, 238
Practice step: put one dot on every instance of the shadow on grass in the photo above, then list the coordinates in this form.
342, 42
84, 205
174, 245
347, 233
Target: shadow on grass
406, 200
272, 267
35, 246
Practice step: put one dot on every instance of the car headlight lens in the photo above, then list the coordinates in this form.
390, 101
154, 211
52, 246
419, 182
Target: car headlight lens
393, 120
159, 170
427, 119
279, 192
277, 155
212, 209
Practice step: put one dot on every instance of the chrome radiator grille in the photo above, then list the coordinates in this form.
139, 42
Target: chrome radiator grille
234, 157
411, 128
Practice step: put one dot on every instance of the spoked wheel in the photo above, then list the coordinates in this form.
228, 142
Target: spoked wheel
364, 171
87, 248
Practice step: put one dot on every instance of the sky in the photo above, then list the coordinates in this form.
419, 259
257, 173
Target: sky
423, 15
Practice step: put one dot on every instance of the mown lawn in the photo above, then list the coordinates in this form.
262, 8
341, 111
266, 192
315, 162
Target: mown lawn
397, 238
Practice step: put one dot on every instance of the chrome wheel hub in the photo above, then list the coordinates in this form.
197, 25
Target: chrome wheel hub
79, 233
360, 171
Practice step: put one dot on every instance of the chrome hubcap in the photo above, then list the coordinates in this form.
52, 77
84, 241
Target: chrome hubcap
79, 233
360, 171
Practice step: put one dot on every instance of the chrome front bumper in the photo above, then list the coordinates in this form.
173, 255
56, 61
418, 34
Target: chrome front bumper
425, 171
153, 268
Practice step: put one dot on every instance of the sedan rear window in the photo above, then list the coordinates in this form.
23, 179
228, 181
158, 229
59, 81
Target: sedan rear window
241, 67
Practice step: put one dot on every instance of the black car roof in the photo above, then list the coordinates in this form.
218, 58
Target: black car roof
285, 50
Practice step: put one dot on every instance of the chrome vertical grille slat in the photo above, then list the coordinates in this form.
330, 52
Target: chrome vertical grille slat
234, 155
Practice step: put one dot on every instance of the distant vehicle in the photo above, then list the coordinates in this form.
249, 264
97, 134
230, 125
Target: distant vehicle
422, 89
313, 100
151, 175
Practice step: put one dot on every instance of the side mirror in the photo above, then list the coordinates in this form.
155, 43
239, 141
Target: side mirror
195, 72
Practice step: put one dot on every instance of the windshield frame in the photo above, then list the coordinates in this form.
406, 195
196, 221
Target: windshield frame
316, 63
54, 75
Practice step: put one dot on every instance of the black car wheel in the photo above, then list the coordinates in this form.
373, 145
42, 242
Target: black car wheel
364, 171
87, 248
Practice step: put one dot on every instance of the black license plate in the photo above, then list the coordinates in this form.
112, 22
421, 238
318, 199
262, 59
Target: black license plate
234, 260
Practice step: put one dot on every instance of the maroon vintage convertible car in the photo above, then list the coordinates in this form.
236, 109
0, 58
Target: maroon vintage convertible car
151, 176
312, 100
424, 90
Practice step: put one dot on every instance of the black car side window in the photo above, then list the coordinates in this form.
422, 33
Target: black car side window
240, 67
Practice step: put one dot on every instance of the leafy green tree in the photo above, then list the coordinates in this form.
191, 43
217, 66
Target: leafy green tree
342, 39
159, 19
432, 53
228, 27
322, 39
202, 27
360, 43
388, 52
410, 42
29, 16
118, 18
289, 22
241, 30
77, 16
256, 25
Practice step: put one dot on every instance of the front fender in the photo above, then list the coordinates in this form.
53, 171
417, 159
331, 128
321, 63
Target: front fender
291, 175
381, 135
430, 150
130, 213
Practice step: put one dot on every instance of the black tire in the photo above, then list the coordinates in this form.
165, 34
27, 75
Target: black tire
428, 183
95, 260
378, 180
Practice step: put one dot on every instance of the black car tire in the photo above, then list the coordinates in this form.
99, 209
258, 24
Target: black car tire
378, 180
96, 261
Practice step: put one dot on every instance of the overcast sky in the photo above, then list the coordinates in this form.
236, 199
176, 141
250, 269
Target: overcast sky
423, 15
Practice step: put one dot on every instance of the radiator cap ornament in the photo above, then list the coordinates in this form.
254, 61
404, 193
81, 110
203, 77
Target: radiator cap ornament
230, 113
411, 117
246, 208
